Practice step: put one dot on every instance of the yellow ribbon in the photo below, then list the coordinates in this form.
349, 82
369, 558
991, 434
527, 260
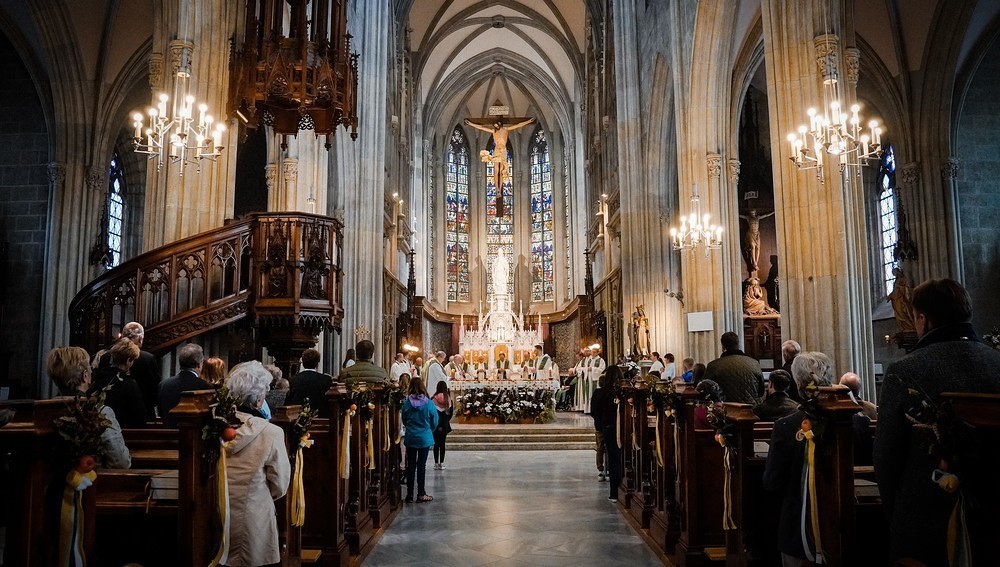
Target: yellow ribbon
812, 500
659, 451
618, 423
222, 487
298, 495
677, 445
71, 519
345, 446
369, 425
727, 494
387, 441
959, 546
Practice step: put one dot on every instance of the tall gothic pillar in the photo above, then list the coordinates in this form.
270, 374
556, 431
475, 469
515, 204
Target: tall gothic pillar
358, 178
194, 36
826, 297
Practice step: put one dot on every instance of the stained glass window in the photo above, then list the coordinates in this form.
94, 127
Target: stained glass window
542, 269
887, 215
457, 217
499, 220
116, 210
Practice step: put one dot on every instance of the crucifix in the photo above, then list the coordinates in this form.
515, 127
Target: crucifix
499, 125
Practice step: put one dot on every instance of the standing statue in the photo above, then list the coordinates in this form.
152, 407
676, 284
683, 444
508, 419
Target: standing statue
902, 301
501, 273
751, 240
499, 157
640, 333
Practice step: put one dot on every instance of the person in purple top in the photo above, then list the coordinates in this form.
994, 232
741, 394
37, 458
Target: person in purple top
420, 419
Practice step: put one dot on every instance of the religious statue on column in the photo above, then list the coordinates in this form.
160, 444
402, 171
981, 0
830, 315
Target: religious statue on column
639, 333
902, 301
751, 240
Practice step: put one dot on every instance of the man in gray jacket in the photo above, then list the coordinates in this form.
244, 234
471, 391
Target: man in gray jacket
738, 375
364, 370
947, 358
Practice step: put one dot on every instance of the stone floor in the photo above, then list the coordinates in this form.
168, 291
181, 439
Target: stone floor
516, 508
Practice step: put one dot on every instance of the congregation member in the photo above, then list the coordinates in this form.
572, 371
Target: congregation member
669, 367
948, 357
69, 368
776, 403
604, 412
363, 370
445, 408
191, 358
124, 395
349, 359
310, 384
687, 372
603, 473
785, 458
853, 383
710, 393
399, 367
657, 364
145, 370
698, 373
278, 391
435, 370
213, 371
257, 469
789, 350
420, 419
738, 375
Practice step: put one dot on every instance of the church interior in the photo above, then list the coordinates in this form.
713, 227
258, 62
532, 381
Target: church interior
479, 177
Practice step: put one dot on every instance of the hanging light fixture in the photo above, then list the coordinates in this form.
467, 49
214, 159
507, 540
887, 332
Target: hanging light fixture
696, 230
176, 135
832, 131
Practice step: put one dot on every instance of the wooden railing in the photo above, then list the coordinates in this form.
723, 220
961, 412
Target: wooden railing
282, 269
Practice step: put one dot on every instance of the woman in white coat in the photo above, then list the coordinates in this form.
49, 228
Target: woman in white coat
258, 472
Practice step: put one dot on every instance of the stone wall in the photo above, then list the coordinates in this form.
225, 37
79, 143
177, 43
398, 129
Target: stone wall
24, 204
978, 192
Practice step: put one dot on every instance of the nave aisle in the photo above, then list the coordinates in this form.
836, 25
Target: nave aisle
512, 508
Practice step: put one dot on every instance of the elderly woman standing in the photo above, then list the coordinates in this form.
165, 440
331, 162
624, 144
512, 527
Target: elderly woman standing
69, 368
257, 469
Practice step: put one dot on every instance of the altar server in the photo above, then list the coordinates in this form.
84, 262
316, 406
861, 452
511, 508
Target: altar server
594, 368
435, 370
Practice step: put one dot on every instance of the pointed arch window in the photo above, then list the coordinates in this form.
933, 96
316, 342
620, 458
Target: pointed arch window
888, 225
457, 217
542, 239
116, 211
499, 220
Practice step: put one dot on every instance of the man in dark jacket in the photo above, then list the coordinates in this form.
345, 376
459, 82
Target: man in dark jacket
777, 404
364, 370
145, 369
738, 375
310, 384
947, 358
190, 358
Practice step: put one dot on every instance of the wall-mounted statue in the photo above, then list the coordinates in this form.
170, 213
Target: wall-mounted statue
751, 240
902, 301
639, 333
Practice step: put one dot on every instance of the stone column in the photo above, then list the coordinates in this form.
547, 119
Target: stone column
194, 36
821, 229
359, 177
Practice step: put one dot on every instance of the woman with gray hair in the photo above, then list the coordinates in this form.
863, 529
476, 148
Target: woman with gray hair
785, 458
257, 469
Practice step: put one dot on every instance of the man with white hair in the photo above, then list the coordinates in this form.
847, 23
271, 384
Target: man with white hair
853, 383
457, 368
789, 350
145, 370
435, 372
190, 357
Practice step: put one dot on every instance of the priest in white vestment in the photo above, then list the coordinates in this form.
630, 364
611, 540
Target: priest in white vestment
594, 368
581, 376
542, 366
435, 372
457, 369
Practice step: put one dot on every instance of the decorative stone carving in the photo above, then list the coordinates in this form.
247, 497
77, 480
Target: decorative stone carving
827, 58
852, 65
56, 172
909, 175
96, 178
271, 175
180, 55
734, 171
156, 71
949, 169
714, 165
290, 170
315, 268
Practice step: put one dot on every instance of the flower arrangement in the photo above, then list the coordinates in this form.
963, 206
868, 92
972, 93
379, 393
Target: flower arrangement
82, 429
507, 404
304, 421
992, 340
223, 424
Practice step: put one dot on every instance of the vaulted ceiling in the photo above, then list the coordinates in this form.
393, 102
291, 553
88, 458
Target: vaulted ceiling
470, 53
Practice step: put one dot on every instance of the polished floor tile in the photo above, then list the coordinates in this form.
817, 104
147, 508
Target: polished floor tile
507, 508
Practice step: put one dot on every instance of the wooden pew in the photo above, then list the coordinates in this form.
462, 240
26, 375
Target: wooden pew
664, 523
636, 492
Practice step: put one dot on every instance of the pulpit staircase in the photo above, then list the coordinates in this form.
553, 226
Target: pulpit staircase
278, 272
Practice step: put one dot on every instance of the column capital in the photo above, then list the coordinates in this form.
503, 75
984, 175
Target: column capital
56, 172
714, 162
95, 178
734, 170
827, 58
949, 169
290, 169
155, 71
180, 55
909, 175
852, 65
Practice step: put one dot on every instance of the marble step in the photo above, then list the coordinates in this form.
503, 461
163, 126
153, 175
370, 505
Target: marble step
520, 446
